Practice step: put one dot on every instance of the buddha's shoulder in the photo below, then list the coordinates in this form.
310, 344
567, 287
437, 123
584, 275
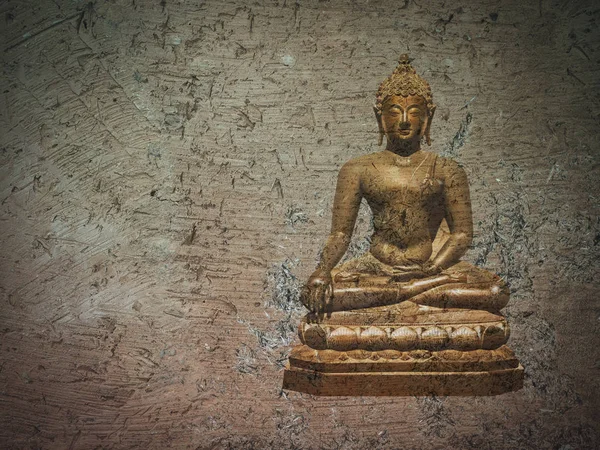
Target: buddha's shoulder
449, 168
360, 162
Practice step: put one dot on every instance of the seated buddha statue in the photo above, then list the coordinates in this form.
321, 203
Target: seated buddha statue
407, 293
410, 192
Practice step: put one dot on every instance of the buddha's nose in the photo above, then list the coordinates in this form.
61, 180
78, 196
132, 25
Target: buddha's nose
404, 123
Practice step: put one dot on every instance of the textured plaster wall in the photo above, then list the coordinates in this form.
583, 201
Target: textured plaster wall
166, 176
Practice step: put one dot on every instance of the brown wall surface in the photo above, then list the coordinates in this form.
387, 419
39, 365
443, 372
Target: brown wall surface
167, 170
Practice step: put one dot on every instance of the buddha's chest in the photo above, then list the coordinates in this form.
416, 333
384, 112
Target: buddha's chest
406, 186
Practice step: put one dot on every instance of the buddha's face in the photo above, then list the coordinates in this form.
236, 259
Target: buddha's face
403, 118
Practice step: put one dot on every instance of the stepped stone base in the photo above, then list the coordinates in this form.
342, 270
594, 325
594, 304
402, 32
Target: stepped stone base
395, 373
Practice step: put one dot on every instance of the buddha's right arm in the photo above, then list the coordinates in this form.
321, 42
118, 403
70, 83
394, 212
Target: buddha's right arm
335, 247
346, 203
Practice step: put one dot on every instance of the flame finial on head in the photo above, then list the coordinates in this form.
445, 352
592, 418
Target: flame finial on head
404, 59
404, 81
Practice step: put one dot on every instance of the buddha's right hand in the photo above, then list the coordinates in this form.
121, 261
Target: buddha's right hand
318, 292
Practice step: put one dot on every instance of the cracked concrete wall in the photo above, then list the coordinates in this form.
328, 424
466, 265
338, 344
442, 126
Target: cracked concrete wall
166, 177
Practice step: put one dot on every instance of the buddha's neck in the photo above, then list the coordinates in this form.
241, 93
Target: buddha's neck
404, 148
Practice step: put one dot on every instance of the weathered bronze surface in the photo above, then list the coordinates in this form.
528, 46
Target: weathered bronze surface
406, 294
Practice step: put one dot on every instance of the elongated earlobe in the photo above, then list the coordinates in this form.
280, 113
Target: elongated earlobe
428, 125
379, 124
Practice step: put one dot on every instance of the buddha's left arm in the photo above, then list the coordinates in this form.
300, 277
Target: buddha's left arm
457, 203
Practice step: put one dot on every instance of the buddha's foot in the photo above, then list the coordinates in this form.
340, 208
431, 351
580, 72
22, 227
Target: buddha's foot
457, 277
347, 277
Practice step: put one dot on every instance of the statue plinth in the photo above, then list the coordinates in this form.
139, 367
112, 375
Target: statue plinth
447, 372
405, 349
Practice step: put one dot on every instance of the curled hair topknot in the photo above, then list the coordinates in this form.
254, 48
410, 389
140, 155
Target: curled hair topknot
404, 81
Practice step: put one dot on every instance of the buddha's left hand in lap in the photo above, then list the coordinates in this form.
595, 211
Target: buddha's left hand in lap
414, 271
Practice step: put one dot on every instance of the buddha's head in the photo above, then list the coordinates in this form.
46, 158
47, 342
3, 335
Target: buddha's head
404, 107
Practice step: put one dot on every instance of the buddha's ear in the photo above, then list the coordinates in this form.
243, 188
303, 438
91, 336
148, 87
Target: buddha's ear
427, 125
379, 124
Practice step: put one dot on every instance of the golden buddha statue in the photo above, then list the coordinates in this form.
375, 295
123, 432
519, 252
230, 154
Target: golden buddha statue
408, 317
